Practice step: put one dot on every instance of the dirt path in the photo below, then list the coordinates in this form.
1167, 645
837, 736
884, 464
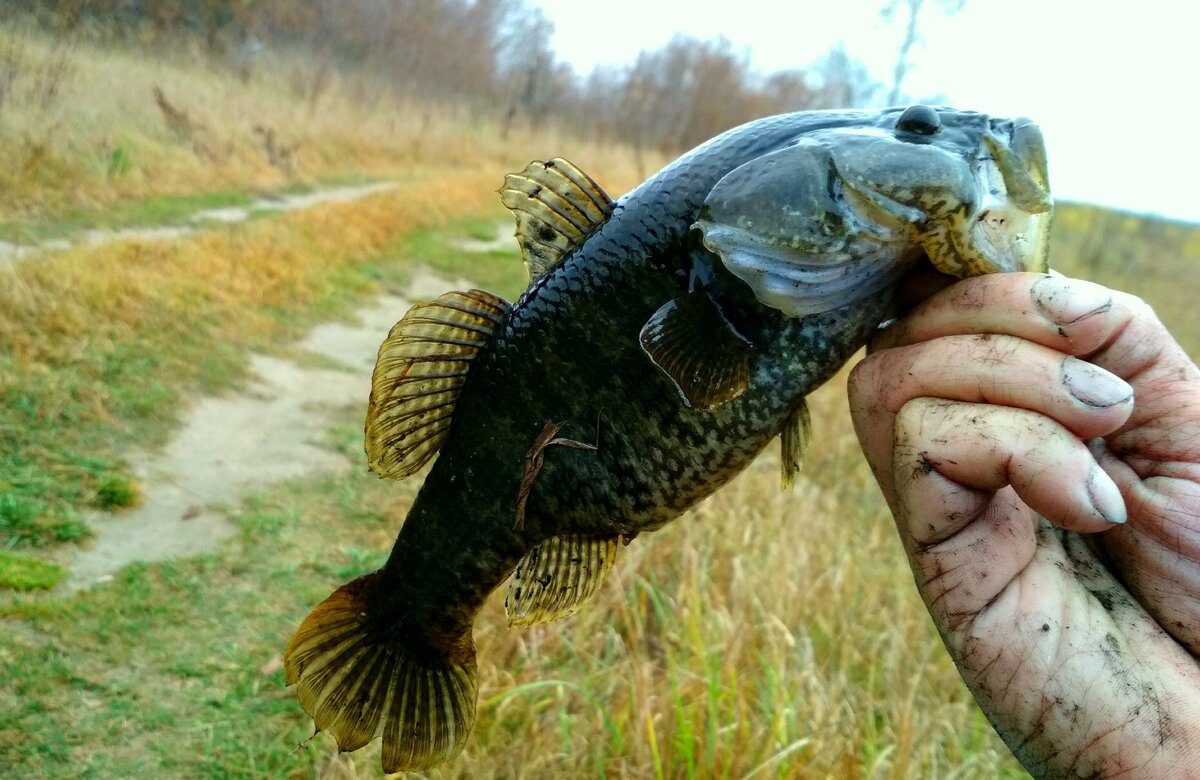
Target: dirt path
11, 253
231, 445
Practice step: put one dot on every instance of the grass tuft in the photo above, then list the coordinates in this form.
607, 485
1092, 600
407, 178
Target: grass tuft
21, 572
116, 492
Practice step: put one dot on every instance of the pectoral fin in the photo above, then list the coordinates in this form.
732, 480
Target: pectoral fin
690, 341
793, 444
418, 375
557, 577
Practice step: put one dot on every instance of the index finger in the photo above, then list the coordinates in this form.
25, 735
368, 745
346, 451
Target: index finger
1072, 316
1114, 330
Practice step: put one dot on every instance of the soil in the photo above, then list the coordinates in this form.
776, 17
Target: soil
274, 429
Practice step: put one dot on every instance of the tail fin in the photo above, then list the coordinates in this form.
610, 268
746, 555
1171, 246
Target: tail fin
359, 684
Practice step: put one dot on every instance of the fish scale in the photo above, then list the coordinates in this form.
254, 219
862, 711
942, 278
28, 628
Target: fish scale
663, 341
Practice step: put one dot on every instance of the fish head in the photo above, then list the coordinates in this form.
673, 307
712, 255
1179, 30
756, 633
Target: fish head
843, 211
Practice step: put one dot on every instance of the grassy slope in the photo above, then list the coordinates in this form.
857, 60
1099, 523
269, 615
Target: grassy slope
1156, 259
764, 635
97, 345
100, 139
762, 631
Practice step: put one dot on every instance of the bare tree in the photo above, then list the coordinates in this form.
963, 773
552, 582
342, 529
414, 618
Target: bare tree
843, 82
529, 77
911, 35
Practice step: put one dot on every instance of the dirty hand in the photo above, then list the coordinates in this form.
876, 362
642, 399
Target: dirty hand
1008, 397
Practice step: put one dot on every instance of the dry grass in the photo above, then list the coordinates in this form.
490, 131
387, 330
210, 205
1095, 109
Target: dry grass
1156, 259
82, 126
764, 635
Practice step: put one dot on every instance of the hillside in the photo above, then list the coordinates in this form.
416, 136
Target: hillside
763, 635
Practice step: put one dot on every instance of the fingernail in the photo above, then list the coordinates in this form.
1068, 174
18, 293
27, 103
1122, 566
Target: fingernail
1106, 497
1065, 301
1093, 385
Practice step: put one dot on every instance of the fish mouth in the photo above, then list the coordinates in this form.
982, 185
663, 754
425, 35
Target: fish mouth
796, 284
1008, 229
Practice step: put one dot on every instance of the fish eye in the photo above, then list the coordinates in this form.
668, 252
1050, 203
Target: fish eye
921, 120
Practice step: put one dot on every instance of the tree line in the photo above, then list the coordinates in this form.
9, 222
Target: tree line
493, 56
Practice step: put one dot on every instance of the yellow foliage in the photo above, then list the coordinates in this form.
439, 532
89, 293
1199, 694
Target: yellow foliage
1155, 259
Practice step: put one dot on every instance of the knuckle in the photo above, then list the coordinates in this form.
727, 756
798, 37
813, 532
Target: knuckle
863, 376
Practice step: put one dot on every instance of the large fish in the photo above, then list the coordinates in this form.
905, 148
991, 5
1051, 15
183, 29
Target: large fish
664, 339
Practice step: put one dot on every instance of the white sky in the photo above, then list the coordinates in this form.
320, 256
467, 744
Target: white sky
1114, 85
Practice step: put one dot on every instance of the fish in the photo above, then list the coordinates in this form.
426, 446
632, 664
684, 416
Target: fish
664, 340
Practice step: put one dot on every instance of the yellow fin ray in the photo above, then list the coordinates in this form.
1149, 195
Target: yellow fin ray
556, 206
360, 684
557, 577
418, 375
793, 444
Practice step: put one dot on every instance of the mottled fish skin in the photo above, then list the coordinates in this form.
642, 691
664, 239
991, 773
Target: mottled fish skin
591, 354
569, 353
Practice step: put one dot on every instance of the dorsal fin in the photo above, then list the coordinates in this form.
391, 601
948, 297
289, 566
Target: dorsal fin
418, 375
556, 206
557, 577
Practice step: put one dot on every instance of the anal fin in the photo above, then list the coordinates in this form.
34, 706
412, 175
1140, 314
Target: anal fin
793, 443
557, 577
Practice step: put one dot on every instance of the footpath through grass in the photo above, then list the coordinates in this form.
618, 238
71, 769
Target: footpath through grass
763, 635
98, 346
159, 211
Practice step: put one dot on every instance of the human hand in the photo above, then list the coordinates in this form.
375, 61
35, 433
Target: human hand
1010, 396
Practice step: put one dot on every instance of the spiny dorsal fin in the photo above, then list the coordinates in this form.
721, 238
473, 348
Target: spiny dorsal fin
359, 682
793, 443
556, 206
420, 370
557, 577
691, 342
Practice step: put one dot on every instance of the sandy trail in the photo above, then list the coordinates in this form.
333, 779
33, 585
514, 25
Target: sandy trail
501, 242
11, 252
230, 445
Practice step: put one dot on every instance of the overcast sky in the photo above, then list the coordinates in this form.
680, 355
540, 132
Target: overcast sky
1113, 85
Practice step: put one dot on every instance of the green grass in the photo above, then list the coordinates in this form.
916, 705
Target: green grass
173, 669
21, 572
115, 492
74, 397
162, 211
